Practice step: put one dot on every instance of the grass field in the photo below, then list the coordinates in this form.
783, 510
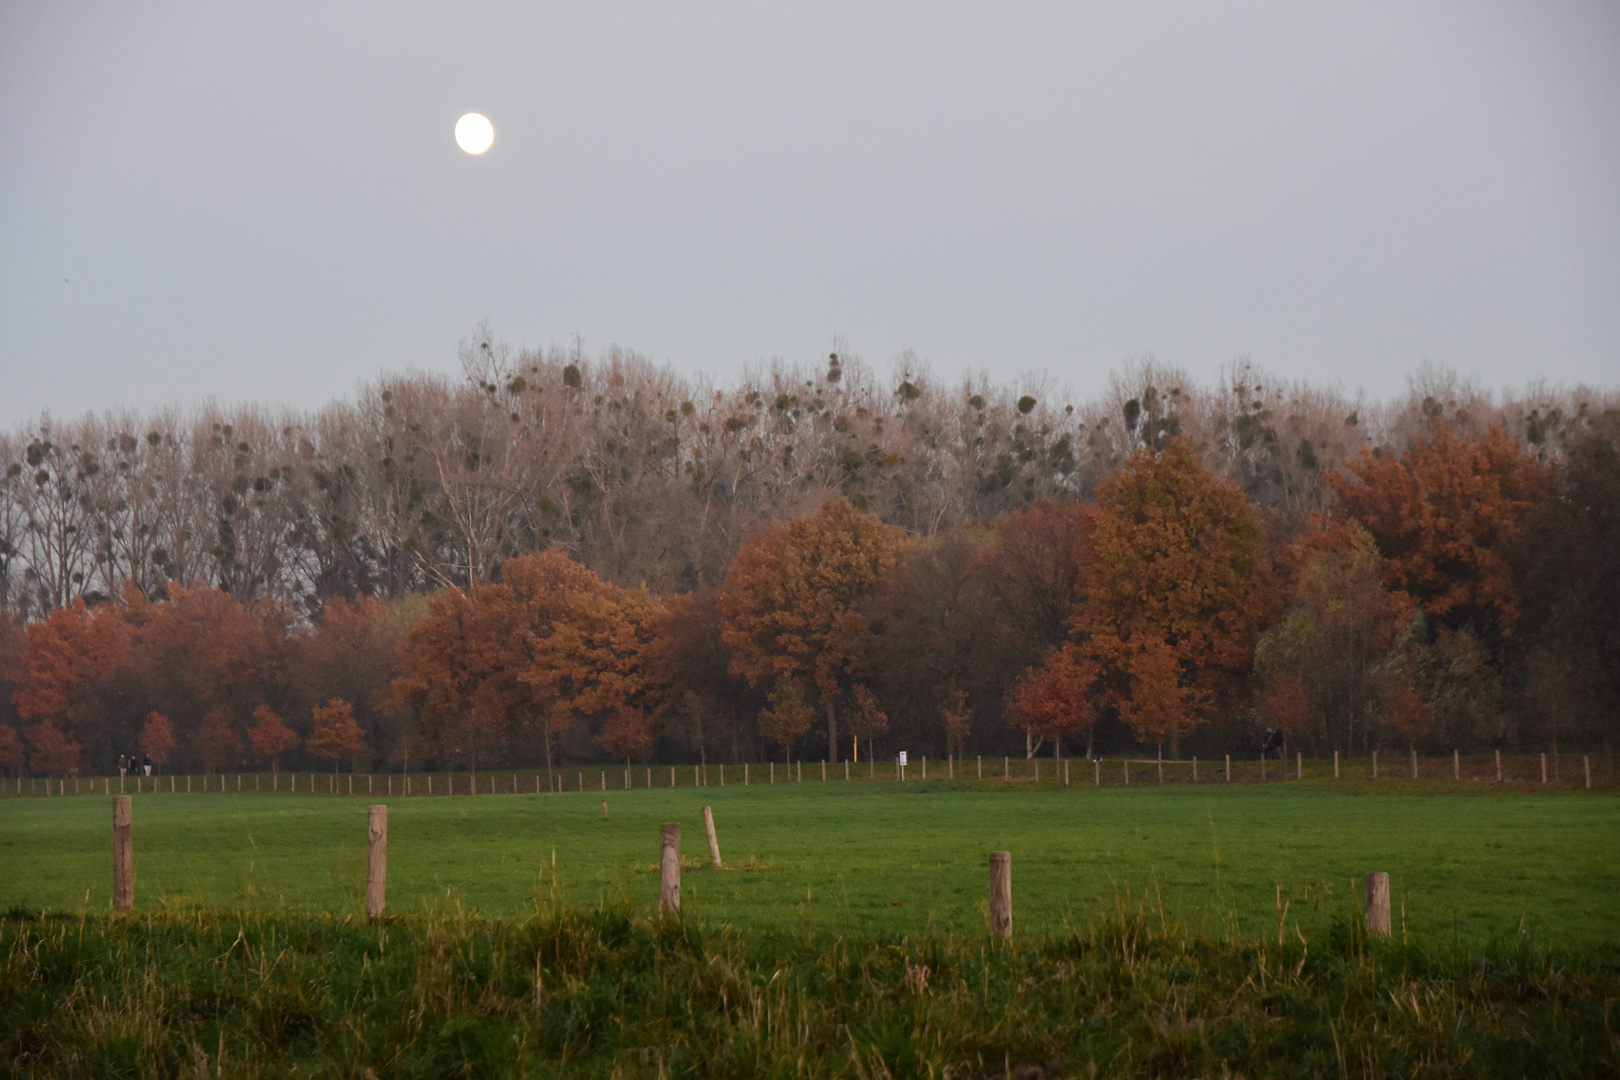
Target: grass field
867, 861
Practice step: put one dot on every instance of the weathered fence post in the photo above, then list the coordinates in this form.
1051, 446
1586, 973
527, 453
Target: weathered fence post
1414, 763
981, 766
1335, 764
1378, 905
714, 841
1065, 772
1299, 765
1543, 768
1097, 767
1161, 766
1499, 765
1456, 765
1195, 768
1127, 763
1586, 767
773, 772
1375, 764
1001, 894
1228, 768
669, 868
846, 768
123, 855
377, 862
1005, 766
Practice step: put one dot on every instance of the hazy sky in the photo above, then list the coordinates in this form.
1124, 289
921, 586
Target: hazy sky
263, 201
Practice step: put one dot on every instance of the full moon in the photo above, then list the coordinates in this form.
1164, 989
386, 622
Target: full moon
474, 133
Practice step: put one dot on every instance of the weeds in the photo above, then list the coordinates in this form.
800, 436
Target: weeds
599, 992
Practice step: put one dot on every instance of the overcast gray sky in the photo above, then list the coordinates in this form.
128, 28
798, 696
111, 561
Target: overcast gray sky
263, 201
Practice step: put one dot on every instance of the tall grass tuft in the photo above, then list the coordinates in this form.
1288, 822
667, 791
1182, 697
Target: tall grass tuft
600, 992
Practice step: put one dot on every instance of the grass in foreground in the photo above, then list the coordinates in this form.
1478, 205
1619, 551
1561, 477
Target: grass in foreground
580, 992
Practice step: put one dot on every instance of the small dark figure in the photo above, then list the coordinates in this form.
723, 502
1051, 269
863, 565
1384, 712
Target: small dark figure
146, 764
123, 764
1272, 745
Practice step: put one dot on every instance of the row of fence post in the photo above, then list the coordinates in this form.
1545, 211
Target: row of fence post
700, 776
669, 871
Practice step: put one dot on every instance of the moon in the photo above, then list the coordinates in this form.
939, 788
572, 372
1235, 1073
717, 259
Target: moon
474, 133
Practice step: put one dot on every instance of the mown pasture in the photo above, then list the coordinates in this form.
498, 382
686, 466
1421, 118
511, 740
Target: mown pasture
866, 861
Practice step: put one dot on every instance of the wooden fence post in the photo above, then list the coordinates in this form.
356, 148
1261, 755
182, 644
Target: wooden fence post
1456, 765
823, 770
1378, 905
669, 868
1097, 767
1414, 763
1586, 767
714, 841
1543, 768
981, 766
1161, 767
846, 768
377, 862
1335, 764
1195, 768
1001, 894
925, 767
123, 855
773, 772
1228, 768
1299, 765
1065, 772
1375, 764
1127, 763
1005, 764
1499, 765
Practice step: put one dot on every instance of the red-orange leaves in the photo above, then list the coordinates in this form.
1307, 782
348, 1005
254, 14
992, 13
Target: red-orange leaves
336, 735
1174, 587
789, 606
1054, 699
1445, 517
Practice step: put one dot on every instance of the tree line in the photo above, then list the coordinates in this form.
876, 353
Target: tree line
561, 558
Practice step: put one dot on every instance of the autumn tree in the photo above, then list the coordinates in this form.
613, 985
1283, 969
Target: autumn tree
790, 605
788, 717
1053, 700
11, 748
1340, 667
270, 737
626, 733
217, 739
157, 738
1175, 584
867, 720
336, 735
549, 644
61, 670
55, 752
1448, 517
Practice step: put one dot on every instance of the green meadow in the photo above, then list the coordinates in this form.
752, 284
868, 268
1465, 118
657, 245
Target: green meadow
865, 860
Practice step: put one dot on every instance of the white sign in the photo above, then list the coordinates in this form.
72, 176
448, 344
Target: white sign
902, 759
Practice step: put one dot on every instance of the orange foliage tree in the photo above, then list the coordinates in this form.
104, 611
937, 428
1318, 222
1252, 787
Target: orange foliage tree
56, 753
1175, 584
788, 717
157, 738
790, 605
63, 660
1054, 700
270, 737
217, 740
336, 735
1447, 517
547, 645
